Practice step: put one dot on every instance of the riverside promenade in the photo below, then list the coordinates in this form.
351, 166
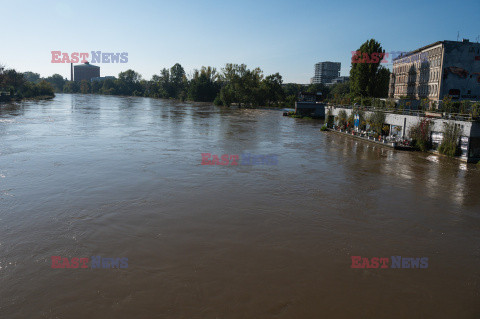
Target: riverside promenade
398, 124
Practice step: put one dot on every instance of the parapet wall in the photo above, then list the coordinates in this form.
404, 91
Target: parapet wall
469, 129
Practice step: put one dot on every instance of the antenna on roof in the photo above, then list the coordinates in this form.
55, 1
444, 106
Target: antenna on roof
458, 35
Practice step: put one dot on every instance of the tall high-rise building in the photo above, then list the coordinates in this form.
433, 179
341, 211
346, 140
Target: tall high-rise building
325, 72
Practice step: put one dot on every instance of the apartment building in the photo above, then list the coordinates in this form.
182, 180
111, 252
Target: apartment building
325, 72
437, 70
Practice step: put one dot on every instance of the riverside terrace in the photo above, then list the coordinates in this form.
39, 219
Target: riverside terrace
398, 123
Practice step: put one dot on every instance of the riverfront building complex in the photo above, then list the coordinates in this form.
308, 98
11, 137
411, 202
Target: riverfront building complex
437, 70
325, 72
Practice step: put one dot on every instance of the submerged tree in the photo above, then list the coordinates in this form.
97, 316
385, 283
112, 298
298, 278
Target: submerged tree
241, 85
204, 86
57, 81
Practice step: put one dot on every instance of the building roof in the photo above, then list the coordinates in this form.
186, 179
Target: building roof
86, 65
428, 46
417, 50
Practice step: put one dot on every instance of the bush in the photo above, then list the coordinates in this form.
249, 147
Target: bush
324, 128
386, 129
475, 110
465, 107
376, 120
329, 118
378, 103
451, 136
350, 121
447, 104
390, 103
424, 104
342, 118
218, 101
366, 101
30, 89
420, 134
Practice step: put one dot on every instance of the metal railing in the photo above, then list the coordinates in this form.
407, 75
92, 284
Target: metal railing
419, 113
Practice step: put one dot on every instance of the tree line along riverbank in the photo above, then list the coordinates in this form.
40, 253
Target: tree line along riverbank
233, 84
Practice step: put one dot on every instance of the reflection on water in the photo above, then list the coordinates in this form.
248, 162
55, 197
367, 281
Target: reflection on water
89, 175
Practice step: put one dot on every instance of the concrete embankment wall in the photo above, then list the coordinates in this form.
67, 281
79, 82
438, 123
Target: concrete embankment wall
310, 108
469, 129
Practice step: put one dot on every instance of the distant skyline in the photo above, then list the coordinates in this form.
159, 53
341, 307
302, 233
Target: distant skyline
288, 37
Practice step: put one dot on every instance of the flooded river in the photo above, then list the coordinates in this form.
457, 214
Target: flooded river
122, 177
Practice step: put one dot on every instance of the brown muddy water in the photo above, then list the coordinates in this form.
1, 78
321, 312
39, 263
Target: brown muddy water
84, 176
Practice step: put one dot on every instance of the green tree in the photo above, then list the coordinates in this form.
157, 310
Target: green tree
318, 88
13, 80
475, 110
45, 88
342, 119
204, 86
376, 121
108, 87
57, 82
96, 86
465, 107
382, 81
71, 87
129, 76
128, 82
369, 79
340, 89
447, 104
272, 89
85, 87
42, 88
242, 86
160, 85
420, 134
178, 80
451, 137
31, 77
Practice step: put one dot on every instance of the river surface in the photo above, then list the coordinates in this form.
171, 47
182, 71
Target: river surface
86, 175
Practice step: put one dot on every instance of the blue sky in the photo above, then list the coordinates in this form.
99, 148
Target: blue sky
288, 37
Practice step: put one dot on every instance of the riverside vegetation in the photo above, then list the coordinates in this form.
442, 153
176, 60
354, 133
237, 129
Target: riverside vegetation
234, 84
15, 86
